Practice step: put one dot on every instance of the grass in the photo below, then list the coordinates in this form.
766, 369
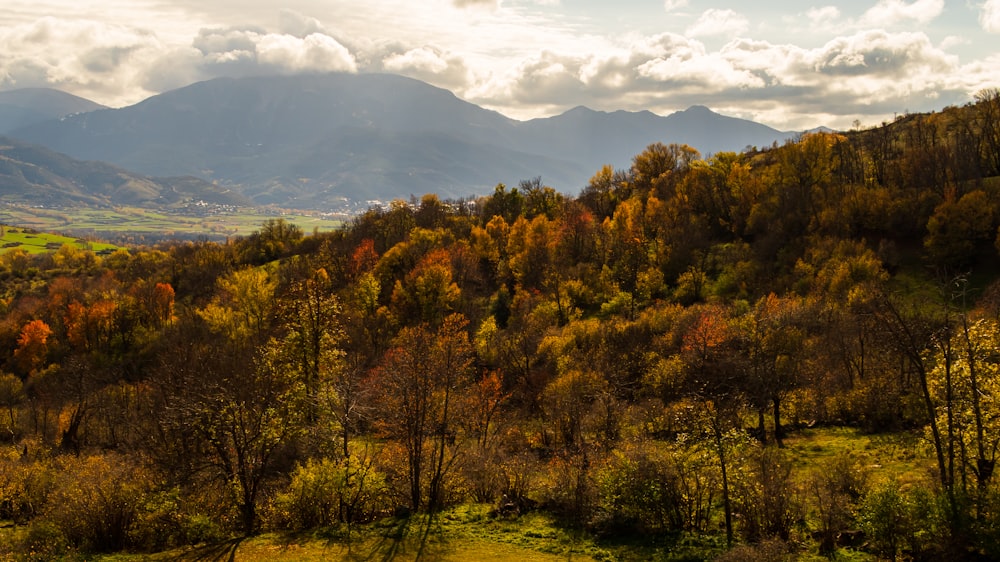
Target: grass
215, 223
904, 457
472, 532
34, 242
460, 534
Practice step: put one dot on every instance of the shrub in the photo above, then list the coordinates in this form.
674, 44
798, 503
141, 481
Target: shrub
884, 519
97, 502
766, 498
43, 541
771, 550
656, 490
24, 488
324, 492
835, 487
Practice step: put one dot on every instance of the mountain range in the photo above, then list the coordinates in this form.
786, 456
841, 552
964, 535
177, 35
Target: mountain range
323, 141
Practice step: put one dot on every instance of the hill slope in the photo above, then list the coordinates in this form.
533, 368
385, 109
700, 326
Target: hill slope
36, 175
29, 106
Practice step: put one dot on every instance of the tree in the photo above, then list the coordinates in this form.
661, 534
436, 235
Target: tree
310, 314
712, 383
243, 307
224, 415
427, 293
772, 340
11, 396
417, 379
958, 229
32, 346
659, 168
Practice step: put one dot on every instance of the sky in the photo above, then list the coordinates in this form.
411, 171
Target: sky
792, 65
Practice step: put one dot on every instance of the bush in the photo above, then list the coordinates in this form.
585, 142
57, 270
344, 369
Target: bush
168, 521
835, 488
24, 488
324, 492
767, 501
884, 519
771, 550
657, 490
96, 503
43, 541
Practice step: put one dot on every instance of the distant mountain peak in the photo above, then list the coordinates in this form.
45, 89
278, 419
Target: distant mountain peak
695, 109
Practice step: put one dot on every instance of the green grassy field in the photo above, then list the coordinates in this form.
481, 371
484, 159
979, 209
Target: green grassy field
107, 223
34, 242
461, 534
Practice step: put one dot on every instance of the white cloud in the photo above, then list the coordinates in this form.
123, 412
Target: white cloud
989, 17
230, 52
718, 22
89, 58
295, 24
891, 12
823, 18
423, 59
430, 65
674, 5
477, 3
313, 53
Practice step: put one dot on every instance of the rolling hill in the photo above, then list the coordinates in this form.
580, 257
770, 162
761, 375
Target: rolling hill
38, 176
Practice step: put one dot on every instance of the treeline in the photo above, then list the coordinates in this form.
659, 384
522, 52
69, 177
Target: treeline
630, 359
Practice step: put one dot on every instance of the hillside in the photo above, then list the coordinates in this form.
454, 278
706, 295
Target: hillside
316, 141
35, 175
29, 106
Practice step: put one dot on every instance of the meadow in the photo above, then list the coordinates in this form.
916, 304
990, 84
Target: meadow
123, 222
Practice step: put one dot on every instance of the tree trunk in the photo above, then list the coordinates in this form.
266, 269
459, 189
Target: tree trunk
778, 432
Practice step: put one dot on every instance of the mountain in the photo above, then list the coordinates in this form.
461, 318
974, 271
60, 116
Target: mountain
614, 138
318, 140
29, 106
38, 176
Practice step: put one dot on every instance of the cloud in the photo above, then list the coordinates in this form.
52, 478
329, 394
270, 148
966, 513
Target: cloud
989, 16
240, 51
476, 3
674, 5
888, 13
430, 65
89, 58
823, 18
866, 75
718, 22
295, 24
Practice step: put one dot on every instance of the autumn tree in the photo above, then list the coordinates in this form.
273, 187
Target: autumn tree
224, 415
242, 309
418, 380
772, 340
32, 346
428, 292
958, 229
310, 315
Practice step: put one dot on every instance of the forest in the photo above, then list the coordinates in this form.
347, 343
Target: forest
632, 360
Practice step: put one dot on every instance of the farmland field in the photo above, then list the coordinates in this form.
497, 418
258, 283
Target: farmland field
121, 221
